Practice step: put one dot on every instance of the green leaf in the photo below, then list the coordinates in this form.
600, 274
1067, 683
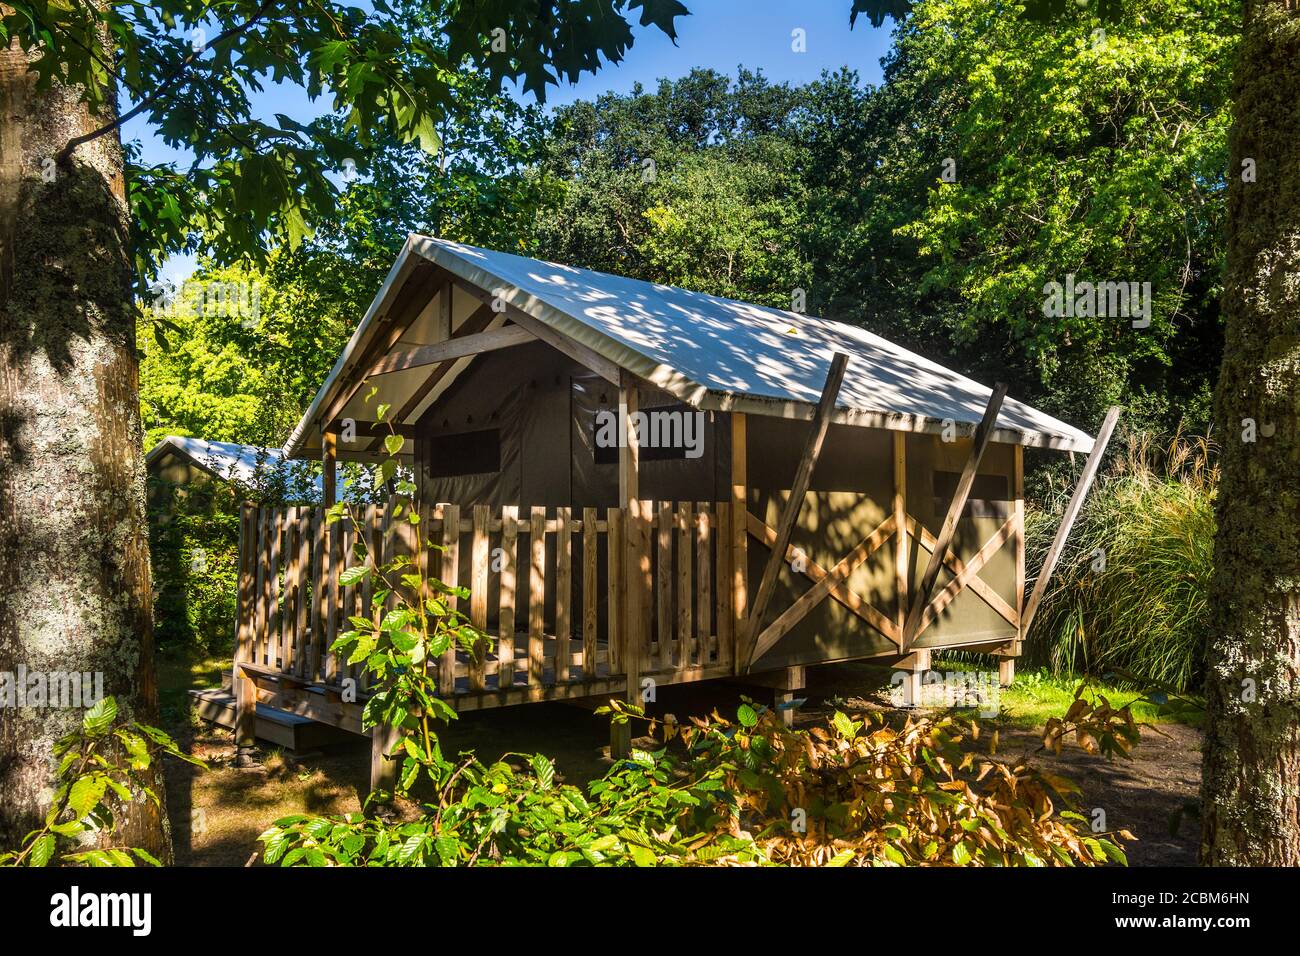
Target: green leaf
42, 849
98, 719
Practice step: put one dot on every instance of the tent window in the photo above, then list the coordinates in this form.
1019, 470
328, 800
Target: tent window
988, 495
676, 433
469, 453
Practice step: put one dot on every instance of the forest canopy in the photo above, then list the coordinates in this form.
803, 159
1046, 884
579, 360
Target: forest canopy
999, 159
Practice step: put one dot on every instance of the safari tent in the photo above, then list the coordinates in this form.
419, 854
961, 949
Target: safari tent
643, 485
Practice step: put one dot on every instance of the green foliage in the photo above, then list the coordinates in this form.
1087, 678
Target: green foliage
696, 184
194, 545
390, 70
1089, 147
241, 358
858, 792
194, 558
100, 764
836, 188
1130, 594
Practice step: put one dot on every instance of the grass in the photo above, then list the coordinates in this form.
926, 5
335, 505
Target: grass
1130, 593
1038, 694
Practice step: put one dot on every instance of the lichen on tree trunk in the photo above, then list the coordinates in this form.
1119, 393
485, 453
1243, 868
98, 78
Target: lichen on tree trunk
74, 572
1251, 779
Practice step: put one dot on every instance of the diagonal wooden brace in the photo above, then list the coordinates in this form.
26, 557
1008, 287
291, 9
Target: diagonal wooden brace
790, 514
921, 598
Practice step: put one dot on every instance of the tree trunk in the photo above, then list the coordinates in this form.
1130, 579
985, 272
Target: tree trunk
1250, 794
74, 561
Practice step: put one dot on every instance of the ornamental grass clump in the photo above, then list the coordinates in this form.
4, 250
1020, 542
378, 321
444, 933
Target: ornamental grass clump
1130, 592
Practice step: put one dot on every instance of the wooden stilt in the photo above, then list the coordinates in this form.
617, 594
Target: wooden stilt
913, 666
245, 689
631, 596
383, 769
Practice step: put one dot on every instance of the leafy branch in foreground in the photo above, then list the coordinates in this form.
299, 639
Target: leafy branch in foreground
104, 759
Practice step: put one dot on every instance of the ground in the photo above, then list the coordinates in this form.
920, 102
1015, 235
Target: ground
217, 814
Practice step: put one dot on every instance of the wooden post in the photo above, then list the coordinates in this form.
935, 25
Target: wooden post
383, 769
790, 514
1006, 657
914, 666
739, 536
983, 434
329, 469
245, 690
629, 486
1067, 521
900, 525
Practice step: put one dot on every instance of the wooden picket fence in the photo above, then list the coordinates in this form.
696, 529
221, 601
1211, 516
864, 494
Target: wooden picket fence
547, 585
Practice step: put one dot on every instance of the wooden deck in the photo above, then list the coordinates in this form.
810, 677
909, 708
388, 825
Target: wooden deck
545, 588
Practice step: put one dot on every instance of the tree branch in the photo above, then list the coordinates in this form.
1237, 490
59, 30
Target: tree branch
164, 87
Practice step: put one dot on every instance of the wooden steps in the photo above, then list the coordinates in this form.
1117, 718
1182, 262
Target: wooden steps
274, 726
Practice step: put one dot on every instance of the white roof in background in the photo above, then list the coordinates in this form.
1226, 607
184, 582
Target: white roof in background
222, 459
717, 353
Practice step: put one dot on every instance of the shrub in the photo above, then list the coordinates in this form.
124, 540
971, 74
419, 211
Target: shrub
1130, 592
100, 764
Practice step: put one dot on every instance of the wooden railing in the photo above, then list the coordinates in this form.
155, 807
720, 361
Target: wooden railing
548, 586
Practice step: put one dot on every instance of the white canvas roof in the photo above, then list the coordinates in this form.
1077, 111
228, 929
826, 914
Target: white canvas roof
717, 353
222, 459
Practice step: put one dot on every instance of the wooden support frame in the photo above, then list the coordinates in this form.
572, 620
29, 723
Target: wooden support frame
585, 356
629, 633
329, 469
422, 282
245, 689
1068, 519
794, 504
983, 434
734, 649
838, 590
460, 346
836, 576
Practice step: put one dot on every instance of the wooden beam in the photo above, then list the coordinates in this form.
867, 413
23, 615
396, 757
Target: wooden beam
1018, 492
585, 356
373, 429
453, 348
739, 539
442, 331
837, 575
1067, 521
629, 493
803, 478
840, 592
900, 528
414, 298
982, 436
329, 466
476, 323
968, 575
958, 567
245, 690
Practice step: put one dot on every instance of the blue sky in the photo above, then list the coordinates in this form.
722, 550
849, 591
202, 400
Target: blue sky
719, 34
